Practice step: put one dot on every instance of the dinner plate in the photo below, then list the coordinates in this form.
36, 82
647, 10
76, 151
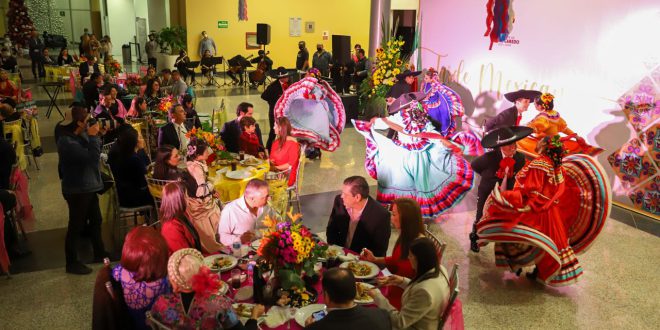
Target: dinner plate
245, 312
252, 162
303, 313
238, 174
337, 250
223, 289
373, 269
366, 287
208, 261
255, 244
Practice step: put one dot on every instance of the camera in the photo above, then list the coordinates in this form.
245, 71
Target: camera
104, 123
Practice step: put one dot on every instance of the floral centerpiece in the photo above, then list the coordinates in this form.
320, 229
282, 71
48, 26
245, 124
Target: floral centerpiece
133, 82
289, 250
214, 142
113, 67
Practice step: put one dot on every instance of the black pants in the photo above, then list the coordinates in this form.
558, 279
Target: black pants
151, 61
8, 201
271, 121
233, 76
83, 207
481, 201
37, 67
187, 72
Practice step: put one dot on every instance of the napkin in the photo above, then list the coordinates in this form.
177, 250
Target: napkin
277, 316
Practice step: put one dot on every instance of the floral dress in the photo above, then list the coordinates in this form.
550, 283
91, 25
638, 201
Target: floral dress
212, 312
139, 296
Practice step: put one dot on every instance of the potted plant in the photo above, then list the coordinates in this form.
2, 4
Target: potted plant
170, 41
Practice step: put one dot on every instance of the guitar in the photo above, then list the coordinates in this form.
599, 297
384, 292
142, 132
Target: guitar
239, 66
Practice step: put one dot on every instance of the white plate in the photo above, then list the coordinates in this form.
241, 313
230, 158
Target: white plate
222, 170
238, 174
223, 289
339, 251
303, 313
255, 244
246, 314
366, 286
252, 162
372, 274
208, 261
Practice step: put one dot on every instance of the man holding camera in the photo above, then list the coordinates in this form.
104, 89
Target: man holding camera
79, 151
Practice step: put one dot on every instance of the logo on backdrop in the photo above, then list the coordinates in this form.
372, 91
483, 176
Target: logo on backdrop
510, 41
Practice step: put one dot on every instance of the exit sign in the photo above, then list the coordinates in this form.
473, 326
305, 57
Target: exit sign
223, 24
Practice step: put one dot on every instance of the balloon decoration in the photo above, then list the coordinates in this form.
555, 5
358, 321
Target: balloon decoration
499, 20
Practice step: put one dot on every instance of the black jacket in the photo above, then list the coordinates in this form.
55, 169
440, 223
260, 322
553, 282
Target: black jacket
399, 88
506, 118
231, 133
167, 135
91, 93
487, 166
356, 318
84, 70
372, 232
272, 93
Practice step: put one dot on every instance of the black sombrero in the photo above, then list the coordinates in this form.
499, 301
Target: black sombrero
522, 94
505, 135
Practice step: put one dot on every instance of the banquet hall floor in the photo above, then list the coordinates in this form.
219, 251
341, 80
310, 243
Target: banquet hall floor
616, 290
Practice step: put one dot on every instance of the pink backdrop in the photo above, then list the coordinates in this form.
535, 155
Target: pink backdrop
588, 53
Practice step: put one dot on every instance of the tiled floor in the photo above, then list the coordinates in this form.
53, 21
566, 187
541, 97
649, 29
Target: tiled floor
616, 291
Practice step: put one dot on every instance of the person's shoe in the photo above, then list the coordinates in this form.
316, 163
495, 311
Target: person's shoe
473, 242
78, 269
532, 276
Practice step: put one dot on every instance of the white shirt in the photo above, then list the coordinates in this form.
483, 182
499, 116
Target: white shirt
181, 133
354, 216
236, 219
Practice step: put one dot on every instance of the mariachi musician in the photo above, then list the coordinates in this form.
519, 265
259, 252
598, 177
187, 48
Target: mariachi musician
263, 64
237, 66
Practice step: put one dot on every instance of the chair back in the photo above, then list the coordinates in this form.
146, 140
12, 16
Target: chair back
155, 324
453, 294
438, 244
301, 165
278, 183
105, 149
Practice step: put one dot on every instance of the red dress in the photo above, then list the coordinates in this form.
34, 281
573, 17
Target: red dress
550, 215
288, 154
9, 90
401, 267
249, 143
177, 236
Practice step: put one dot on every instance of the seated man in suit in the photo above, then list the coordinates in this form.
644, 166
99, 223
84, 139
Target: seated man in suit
492, 169
511, 116
87, 68
231, 130
358, 221
174, 132
343, 313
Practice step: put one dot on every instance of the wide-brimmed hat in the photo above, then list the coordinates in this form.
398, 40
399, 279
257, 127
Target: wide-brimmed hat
407, 73
505, 135
280, 72
404, 101
522, 94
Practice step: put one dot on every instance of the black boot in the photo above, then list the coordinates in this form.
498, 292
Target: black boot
532, 276
473, 242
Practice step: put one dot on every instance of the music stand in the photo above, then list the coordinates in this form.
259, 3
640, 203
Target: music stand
193, 65
216, 61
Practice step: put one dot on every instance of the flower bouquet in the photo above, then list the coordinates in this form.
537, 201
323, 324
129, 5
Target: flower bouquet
288, 249
214, 142
133, 82
113, 67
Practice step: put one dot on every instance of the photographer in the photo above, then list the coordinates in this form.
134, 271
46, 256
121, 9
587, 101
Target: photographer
79, 150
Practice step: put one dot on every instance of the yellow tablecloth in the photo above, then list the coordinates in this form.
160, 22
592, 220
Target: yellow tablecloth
230, 189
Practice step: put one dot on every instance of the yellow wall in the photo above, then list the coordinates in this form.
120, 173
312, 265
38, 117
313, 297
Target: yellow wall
345, 17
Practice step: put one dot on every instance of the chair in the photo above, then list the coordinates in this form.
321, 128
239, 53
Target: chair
109, 310
155, 324
13, 216
105, 149
453, 294
27, 142
156, 188
278, 183
438, 244
293, 191
123, 214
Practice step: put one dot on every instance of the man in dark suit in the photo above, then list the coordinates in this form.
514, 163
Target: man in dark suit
174, 132
271, 94
342, 312
358, 221
231, 130
511, 116
87, 68
492, 167
91, 91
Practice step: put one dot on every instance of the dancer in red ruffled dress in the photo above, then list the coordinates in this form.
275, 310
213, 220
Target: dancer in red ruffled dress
556, 210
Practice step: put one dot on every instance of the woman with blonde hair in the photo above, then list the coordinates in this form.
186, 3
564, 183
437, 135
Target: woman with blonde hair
196, 302
285, 151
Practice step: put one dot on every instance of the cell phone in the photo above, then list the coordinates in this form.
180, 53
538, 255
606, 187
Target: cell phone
319, 315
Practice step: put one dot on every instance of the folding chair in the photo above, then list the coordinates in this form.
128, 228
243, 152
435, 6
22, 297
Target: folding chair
293, 191
155, 324
278, 183
453, 294
438, 244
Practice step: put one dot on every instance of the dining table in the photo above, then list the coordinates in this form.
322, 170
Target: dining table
229, 183
246, 281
